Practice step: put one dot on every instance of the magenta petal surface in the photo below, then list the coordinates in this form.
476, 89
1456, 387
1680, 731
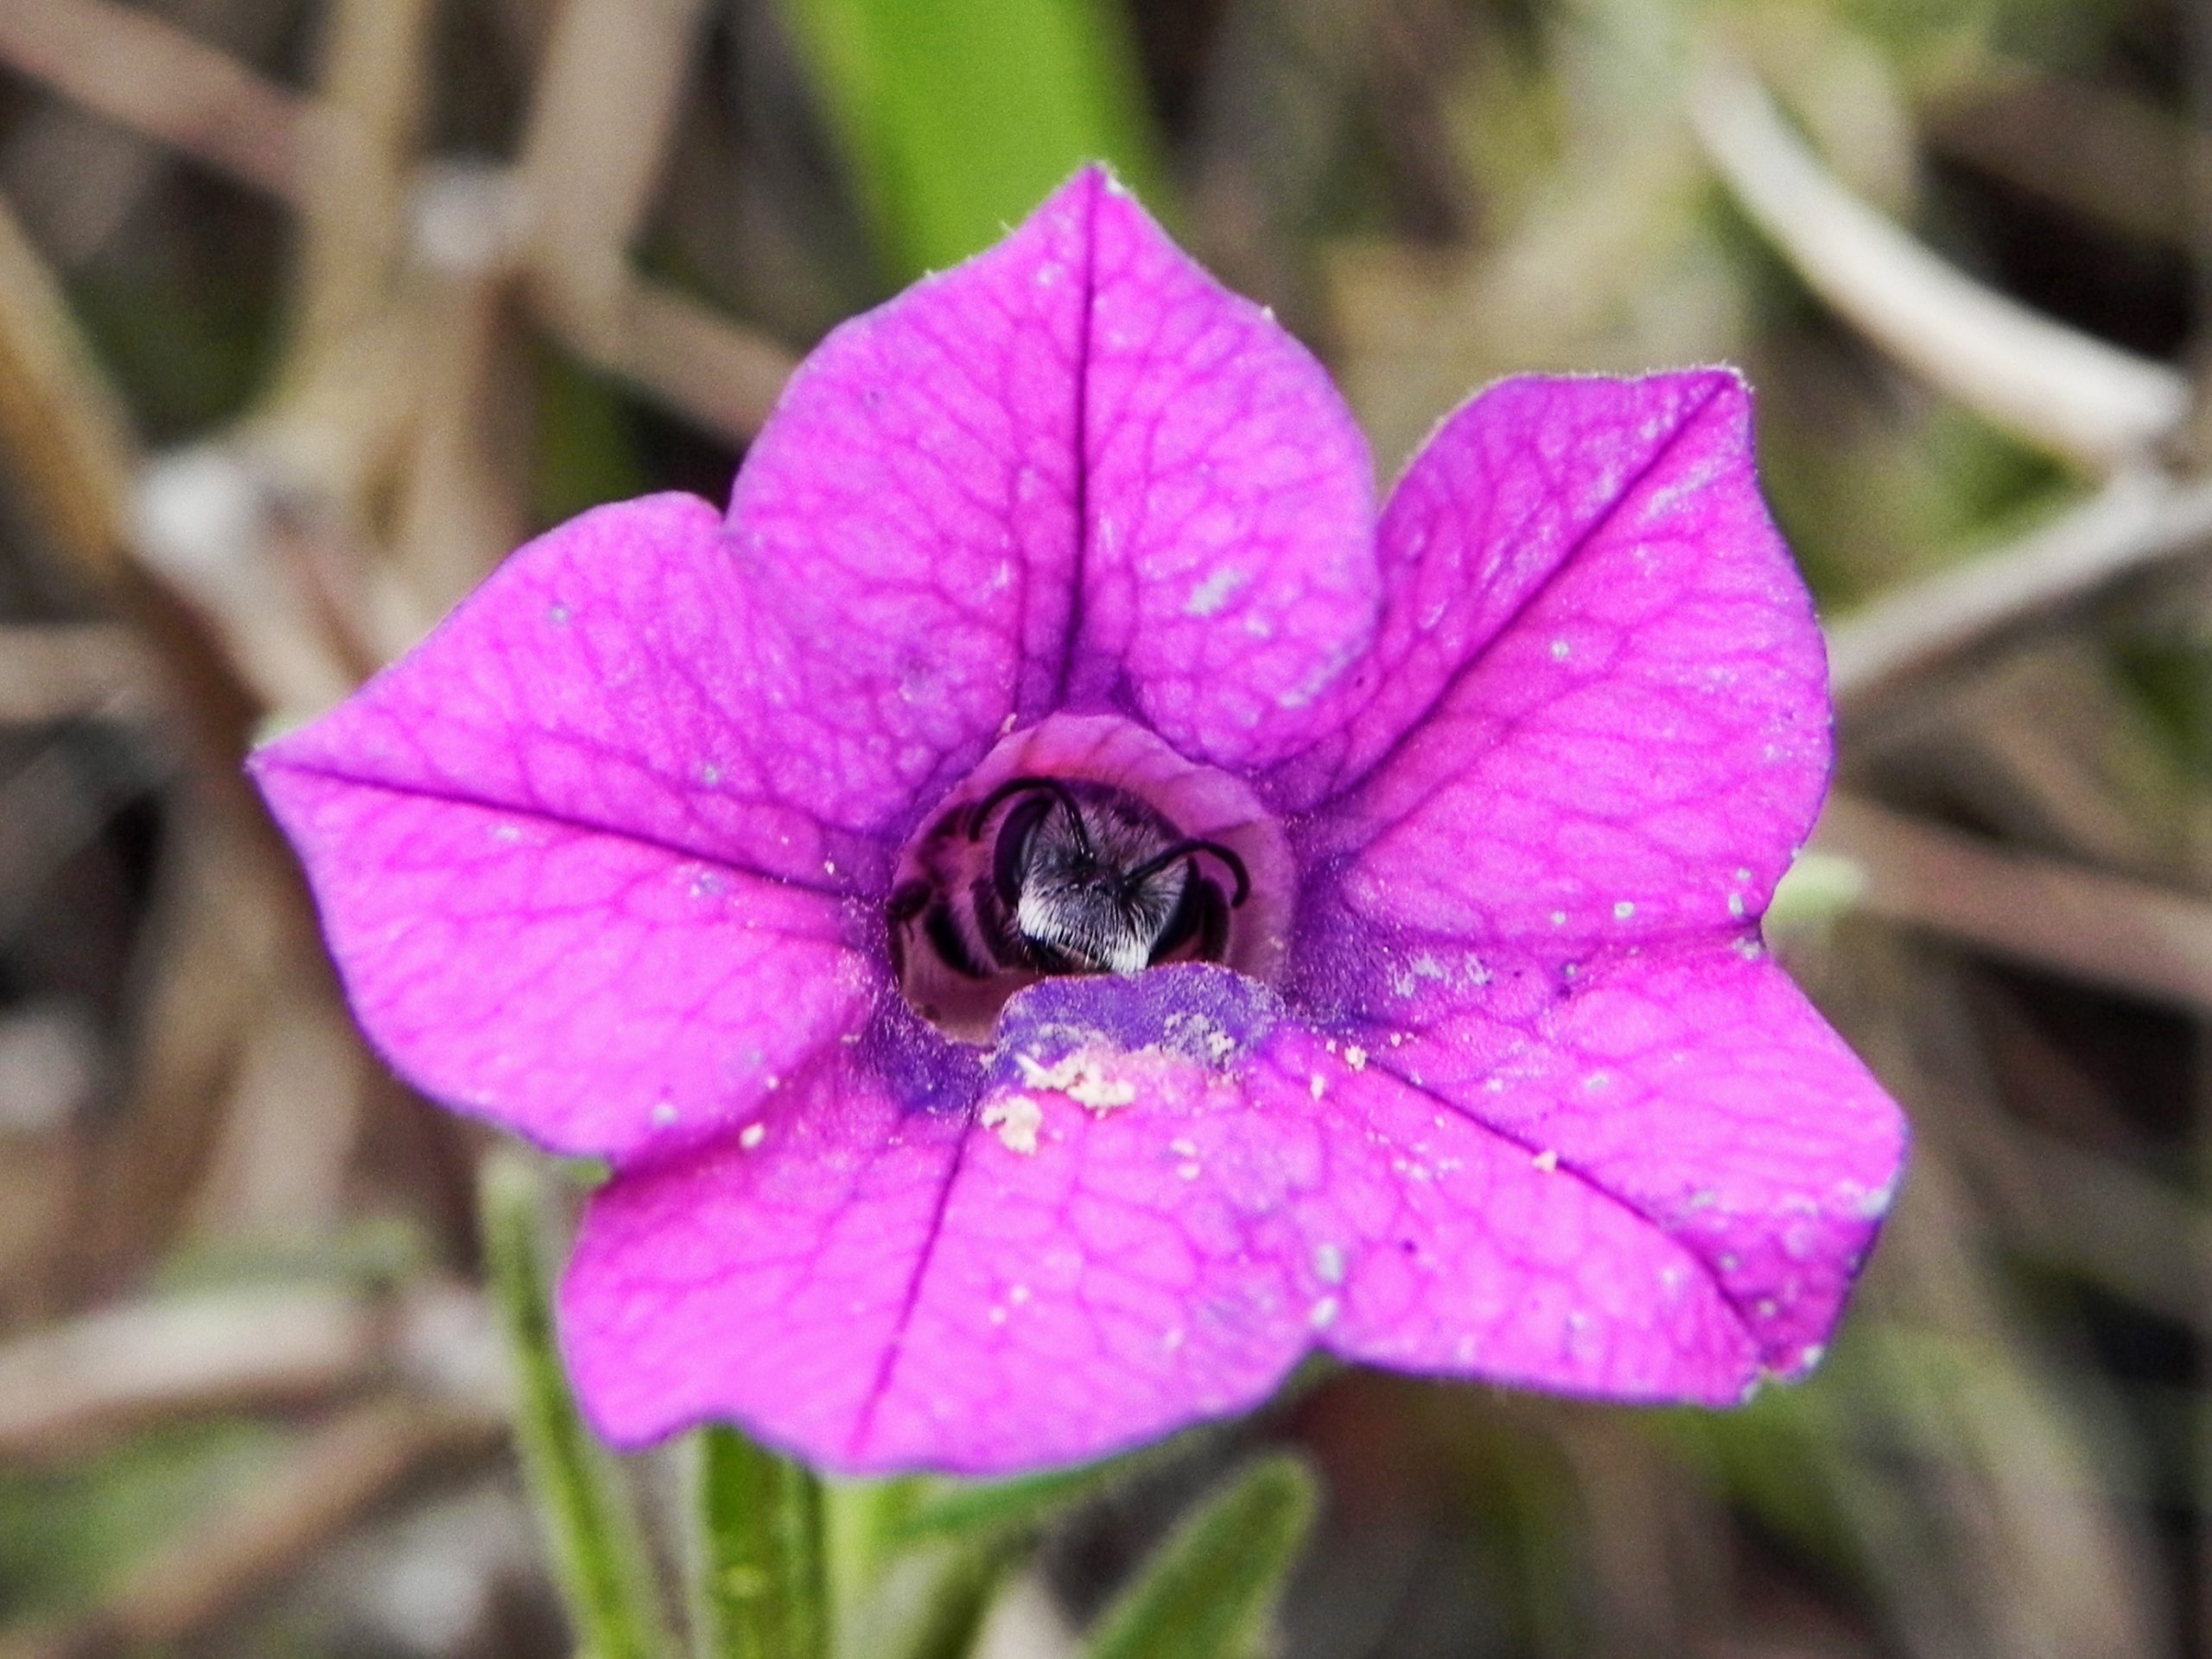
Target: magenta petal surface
1074, 473
1692, 1085
1597, 706
1098, 1253
558, 854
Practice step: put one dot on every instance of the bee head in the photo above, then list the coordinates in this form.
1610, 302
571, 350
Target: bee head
1090, 880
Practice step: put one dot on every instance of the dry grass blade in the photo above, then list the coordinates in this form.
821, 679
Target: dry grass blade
65, 431
376, 54
2071, 396
2106, 929
599, 124
151, 76
253, 1541
125, 1365
70, 671
605, 104
2133, 523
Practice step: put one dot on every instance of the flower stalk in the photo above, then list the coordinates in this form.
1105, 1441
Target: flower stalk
591, 1532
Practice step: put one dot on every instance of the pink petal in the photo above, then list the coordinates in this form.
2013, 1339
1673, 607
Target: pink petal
879, 1288
1690, 1083
536, 845
1598, 709
1435, 1243
1073, 473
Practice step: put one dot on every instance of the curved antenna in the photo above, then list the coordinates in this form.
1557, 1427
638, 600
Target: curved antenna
1234, 865
1023, 785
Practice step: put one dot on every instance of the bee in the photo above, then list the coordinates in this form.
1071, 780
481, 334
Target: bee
1045, 875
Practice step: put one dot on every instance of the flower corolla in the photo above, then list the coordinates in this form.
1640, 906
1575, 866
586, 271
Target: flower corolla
1052, 909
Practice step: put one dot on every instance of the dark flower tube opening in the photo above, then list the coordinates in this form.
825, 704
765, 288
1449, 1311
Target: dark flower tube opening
1082, 845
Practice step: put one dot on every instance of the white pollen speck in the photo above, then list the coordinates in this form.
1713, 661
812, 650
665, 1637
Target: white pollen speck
1183, 1148
1743, 875
1767, 1310
557, 614
1324, 1313
1187, 1172
829, 866
1319, 1085
1547, 1161
1729, 1262
1559, 650
1624, 910
1736, 904
1355, 1056
664, 1113
1017, 1119
1329, 1264
751, 1135
506, 832
1081, 1080
1171, 1339
1559, 919
711, 776
1216, 591
772, 1082
998, 1316
1017, 1295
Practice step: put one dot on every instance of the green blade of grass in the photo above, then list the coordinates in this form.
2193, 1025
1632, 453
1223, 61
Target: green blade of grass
957, 120
1207, 1593
599, 1554
763, 1591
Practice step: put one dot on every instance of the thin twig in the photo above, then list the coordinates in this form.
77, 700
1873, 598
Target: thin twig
66, 671
600, 116
352, 223
128, 1364
599, 124
252, 1542
63, 426
2136, 521
146, 74
2106, 929
2067, 394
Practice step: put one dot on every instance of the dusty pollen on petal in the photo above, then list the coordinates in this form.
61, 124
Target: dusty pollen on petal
1017, 1119
1081, 1078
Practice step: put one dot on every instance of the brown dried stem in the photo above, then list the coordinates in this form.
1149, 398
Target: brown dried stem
2071, 396
142, 73
2109, 930
2134, 523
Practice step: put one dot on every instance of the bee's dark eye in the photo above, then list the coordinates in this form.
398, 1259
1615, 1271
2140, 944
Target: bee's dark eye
1010, 852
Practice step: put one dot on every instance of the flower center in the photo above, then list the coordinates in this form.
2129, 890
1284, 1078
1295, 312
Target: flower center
1083, 845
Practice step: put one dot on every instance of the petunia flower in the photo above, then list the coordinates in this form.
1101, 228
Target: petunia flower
1053, 910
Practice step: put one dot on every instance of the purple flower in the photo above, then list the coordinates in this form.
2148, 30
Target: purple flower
772, 856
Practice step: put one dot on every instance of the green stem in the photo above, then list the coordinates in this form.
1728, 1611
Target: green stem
599, 1555
1206, 1593
762, 1586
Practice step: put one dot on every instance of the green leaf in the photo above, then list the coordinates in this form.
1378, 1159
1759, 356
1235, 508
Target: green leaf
599, 1554
1207, 1593
997, 1514
933, 1604
762, 1589
958, 120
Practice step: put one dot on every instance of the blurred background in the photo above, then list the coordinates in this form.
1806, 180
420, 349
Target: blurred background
310, 310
